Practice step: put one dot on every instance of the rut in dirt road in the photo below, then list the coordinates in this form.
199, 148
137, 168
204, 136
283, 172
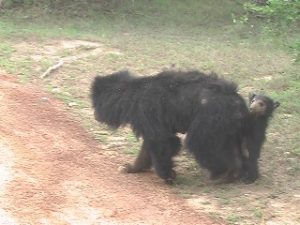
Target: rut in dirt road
57, 174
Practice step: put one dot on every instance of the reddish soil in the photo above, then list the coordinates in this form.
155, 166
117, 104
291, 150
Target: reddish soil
56, 173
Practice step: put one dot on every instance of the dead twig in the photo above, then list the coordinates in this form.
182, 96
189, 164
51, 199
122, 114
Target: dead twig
94, 51
52, 68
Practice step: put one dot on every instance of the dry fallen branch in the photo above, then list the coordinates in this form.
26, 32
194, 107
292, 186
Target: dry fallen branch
94, 51
52, 68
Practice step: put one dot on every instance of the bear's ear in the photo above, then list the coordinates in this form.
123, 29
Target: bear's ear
251, 96
276, 105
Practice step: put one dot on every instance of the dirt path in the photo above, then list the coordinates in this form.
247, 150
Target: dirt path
52, 172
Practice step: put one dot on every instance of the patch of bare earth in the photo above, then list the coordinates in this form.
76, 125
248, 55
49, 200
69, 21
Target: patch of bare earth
53, 172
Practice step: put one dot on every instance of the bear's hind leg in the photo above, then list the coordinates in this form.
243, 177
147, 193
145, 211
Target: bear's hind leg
142, 162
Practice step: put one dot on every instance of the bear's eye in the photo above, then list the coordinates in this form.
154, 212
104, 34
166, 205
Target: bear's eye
261, 104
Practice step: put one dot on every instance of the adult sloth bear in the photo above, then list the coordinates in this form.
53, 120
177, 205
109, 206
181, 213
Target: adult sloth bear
206, 107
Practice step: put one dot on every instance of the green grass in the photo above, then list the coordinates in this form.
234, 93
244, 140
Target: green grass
286, 89
258, 213
6, 51
134, 14
22, 68
233, 219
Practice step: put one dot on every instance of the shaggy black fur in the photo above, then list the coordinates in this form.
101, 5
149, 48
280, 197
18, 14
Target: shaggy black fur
219, 126
206, 107
254, 133
233, 144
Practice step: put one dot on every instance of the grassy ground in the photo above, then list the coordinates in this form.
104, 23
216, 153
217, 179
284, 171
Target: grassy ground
193, 35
